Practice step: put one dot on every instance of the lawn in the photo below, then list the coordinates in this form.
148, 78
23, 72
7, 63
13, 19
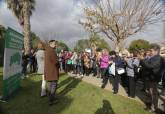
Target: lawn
75, 97
1, 73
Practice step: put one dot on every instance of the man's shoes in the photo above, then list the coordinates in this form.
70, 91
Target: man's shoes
53, 102
131, 97
152, 111
102, 86
56, 101
115, 92
43, 96
143, 90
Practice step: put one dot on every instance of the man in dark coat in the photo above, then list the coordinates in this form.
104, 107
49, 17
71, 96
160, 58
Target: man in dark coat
51, 70
154, 66
144, 72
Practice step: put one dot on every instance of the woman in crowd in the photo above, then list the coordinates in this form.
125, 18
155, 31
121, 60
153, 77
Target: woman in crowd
119, 65
86, 63
79, 65
104, 64
74, 62
132, 69
32, 61
61, 60
94, 65
68, 61
98, 56
40, 61
25, 60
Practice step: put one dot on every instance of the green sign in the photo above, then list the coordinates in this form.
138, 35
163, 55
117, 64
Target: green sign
12, 62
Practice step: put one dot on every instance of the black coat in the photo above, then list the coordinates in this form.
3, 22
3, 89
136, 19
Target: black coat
154, 67
144, 72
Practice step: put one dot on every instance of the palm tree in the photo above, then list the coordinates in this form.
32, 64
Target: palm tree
22, 9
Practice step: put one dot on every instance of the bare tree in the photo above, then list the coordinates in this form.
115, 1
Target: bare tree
119, 19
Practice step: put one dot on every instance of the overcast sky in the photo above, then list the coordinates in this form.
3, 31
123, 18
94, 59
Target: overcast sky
58, 19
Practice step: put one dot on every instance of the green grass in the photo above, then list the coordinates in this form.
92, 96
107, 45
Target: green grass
75, 97
1, 73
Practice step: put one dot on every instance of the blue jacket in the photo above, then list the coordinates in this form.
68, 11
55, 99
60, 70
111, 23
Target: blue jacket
119, 62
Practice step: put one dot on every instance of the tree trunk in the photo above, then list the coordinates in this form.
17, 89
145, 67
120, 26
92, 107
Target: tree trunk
119, 46
26, 27
93, 47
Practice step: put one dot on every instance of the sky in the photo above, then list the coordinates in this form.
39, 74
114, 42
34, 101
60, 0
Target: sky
58, 19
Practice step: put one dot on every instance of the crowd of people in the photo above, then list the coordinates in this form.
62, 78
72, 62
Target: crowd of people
127, 68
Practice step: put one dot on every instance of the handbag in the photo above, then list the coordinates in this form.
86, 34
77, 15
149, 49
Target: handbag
120, 71
112, 69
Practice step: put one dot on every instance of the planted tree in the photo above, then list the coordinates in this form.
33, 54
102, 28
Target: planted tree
81, 45
139, 44
94, 42
119, 19
62, 46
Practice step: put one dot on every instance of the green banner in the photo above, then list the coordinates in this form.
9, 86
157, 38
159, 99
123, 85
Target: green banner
13, 39
12, 62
